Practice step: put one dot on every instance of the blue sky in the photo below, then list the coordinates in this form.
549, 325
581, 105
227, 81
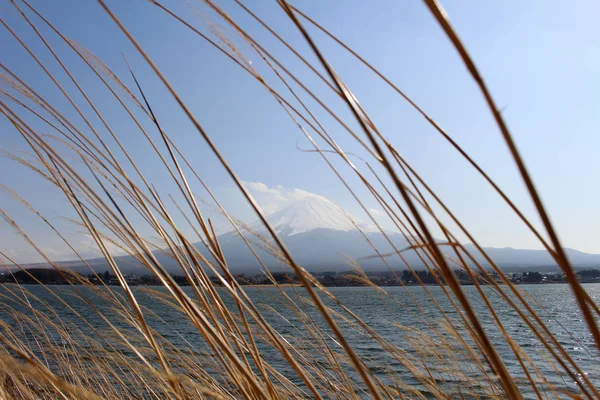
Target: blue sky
541, 61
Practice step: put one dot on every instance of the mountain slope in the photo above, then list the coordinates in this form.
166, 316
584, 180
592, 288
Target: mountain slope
318, 250
321, 236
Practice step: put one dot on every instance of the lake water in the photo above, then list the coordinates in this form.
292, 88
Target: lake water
388, 315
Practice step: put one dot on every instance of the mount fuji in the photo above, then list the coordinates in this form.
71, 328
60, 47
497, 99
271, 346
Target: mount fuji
321, 236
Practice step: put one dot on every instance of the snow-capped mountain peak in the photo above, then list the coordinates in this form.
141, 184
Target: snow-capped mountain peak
313, 212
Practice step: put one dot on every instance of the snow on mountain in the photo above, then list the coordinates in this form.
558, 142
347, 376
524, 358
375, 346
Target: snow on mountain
321, 236
310, 213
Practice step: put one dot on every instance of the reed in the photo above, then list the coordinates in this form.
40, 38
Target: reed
215, 340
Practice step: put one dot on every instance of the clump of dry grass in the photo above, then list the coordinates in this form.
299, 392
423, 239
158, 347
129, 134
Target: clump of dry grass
119, 347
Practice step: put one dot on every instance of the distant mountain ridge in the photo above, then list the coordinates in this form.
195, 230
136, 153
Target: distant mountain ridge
321, 236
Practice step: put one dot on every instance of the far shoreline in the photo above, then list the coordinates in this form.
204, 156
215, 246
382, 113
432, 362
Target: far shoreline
298, 285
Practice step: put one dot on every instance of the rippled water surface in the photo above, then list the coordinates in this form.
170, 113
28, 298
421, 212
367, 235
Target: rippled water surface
388, 315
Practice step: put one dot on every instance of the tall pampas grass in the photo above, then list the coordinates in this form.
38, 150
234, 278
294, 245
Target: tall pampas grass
226, 345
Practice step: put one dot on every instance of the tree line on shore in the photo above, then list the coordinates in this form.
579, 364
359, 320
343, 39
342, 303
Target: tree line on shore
345, 278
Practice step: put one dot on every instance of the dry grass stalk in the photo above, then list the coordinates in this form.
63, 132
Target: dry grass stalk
117, 346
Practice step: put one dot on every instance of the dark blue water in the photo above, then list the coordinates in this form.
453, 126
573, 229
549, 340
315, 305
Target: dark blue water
404, 317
